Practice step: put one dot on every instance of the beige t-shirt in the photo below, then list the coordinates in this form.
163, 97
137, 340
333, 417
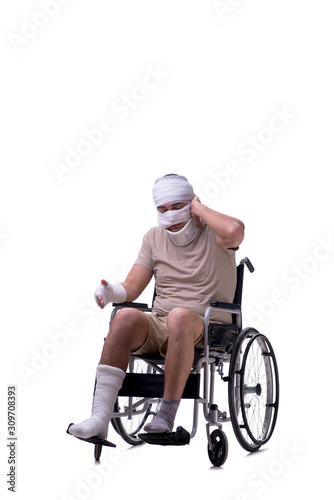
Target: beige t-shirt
189, 276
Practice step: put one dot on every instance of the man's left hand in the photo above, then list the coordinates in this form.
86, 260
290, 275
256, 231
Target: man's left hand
194, 210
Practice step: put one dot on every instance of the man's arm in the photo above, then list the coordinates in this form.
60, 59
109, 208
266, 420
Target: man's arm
136, 281
229, 230
134, 284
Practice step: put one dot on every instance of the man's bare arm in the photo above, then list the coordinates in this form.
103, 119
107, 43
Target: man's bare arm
229, 230
136, 281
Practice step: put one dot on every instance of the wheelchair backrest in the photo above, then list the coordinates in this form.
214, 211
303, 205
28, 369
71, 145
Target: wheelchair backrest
240, 280
238, 289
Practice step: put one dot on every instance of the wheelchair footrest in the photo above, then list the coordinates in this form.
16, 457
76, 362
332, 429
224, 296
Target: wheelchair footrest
178, 438
93, 439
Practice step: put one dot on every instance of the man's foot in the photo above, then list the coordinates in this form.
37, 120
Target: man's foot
109, 380
89, 428
164, 420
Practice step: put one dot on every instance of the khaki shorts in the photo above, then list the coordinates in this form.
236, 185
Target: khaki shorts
157, 339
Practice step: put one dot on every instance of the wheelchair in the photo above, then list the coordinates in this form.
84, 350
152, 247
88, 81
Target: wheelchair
243, 358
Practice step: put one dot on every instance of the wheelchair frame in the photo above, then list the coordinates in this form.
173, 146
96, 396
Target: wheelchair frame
253, 384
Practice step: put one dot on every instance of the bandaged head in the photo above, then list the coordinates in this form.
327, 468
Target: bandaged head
175, 188
172, 187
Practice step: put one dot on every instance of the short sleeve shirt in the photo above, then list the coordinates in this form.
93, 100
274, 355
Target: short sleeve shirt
189, 276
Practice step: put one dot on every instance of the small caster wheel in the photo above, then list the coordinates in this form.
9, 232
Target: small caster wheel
97, 452
218, 453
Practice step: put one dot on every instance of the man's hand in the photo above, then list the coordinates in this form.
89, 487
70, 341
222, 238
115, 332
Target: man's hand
194, 209
106, 293
99, 299
229, 230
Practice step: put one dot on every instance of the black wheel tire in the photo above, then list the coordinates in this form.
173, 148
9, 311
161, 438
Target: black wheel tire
238, 408
263, 344
218, 453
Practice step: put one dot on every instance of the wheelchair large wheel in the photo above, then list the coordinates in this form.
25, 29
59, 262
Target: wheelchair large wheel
133, 412
253, 389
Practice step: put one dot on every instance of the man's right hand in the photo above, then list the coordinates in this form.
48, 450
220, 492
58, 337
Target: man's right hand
99, 294
106, 293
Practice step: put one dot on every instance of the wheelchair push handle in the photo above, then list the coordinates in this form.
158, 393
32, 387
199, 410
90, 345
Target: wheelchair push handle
248, 264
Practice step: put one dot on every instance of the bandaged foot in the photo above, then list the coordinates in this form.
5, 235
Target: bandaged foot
164, 419
109, 380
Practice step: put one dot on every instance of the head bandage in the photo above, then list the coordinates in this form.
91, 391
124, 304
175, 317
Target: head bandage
172, 188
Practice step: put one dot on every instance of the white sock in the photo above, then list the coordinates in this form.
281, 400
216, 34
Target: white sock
109, 380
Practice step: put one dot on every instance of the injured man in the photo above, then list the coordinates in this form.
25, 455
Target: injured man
191, 254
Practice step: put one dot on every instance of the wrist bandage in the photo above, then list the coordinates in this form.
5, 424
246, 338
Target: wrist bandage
110, 293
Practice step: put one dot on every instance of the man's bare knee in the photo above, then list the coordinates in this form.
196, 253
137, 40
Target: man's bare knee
181, 321
128, 319
127, 333
179, 316
129, 326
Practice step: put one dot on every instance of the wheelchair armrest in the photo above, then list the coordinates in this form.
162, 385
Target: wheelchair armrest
226, 305
134, 305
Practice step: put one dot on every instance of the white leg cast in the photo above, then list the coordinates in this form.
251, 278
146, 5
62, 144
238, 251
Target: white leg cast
109, 381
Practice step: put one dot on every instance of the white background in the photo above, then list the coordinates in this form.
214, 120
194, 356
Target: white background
226, 72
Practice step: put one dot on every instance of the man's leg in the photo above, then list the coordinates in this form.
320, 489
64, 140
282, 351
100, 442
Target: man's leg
184, 328
128, 332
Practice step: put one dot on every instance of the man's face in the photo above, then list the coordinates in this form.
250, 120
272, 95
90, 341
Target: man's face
174, 205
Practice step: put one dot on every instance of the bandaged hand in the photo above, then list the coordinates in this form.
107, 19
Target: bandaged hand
106, 293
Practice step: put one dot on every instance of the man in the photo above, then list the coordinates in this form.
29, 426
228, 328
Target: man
192, 257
